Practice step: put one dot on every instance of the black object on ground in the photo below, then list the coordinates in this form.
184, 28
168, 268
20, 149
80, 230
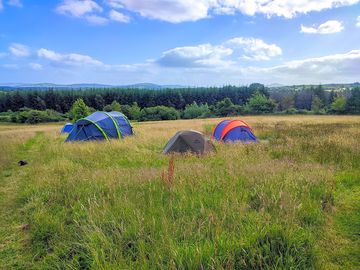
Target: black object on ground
22, 162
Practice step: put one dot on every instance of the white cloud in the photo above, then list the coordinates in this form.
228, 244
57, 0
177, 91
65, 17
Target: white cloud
72, 59
328, 27
19, 50
255, 49
358, 22
219, 56
177, 11
204, 55
78, 8
15, 3
282, 8
115, 3
1, 5
174, 11
119, 17
95, 19
35, 66
337, 67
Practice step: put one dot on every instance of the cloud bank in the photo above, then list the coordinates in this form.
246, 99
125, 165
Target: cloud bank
329, 27
177, 11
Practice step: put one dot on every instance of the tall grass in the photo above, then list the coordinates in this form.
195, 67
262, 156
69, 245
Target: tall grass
290, 202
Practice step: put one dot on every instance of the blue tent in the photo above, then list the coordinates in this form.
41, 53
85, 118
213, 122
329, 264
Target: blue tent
67, 128
101, 126
233, 130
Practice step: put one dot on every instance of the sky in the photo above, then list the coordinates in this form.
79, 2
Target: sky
185, 42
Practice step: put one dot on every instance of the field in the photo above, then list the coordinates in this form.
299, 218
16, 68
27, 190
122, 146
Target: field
289, 202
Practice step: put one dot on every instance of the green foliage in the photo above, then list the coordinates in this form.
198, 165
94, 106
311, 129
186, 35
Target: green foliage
79, 110
210, 102
29, 116
115, 106
158, 113
99, 102
353, 103
288, 103
260, 104
226, 107
196, 111
338, 105
107, 108
134, 112
316, 104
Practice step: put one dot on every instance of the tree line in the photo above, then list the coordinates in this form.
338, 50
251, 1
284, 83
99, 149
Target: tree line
167, 104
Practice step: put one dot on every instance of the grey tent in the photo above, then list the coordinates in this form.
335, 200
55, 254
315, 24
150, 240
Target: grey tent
189, 141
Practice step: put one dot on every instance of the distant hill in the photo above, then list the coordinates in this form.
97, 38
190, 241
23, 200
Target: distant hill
152, 86
44, 86
329, 87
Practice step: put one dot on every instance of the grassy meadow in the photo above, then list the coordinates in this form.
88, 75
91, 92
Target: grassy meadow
289, 202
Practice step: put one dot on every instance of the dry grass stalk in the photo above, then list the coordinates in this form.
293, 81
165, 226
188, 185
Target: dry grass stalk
168, 176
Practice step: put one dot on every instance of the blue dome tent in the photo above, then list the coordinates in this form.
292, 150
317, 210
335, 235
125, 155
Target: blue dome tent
233, 130
101, 126
67, 128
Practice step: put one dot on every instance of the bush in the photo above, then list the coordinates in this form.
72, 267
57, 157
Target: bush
35, 116
291, 111
226, 107
338, 106
107, 108
158, 113
260, 104
79, 110
196, 111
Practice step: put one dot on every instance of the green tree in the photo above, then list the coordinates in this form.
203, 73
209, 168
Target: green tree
338, 105
107, 108
79, 110
99, 102
159, 113
316, 104
260, 104
195, 111
226, 107
134, 111
320, 93
353, 103
115, 106
288, 102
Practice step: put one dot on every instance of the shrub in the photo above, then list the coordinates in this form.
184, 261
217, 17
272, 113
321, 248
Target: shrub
107, 108
158, 113
260, 104
226, 108
196, 111
79, 110
26, 115
338, 105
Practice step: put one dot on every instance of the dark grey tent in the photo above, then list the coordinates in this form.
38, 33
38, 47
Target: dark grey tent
189, 141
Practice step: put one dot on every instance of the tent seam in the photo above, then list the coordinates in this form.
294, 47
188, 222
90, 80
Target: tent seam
96, 125
115, 124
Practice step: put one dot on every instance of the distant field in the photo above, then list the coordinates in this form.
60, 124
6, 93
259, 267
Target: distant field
289, 202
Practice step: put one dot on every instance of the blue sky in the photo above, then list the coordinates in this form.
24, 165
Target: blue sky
203, 42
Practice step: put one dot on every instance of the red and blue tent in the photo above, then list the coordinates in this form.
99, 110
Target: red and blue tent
232, 131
